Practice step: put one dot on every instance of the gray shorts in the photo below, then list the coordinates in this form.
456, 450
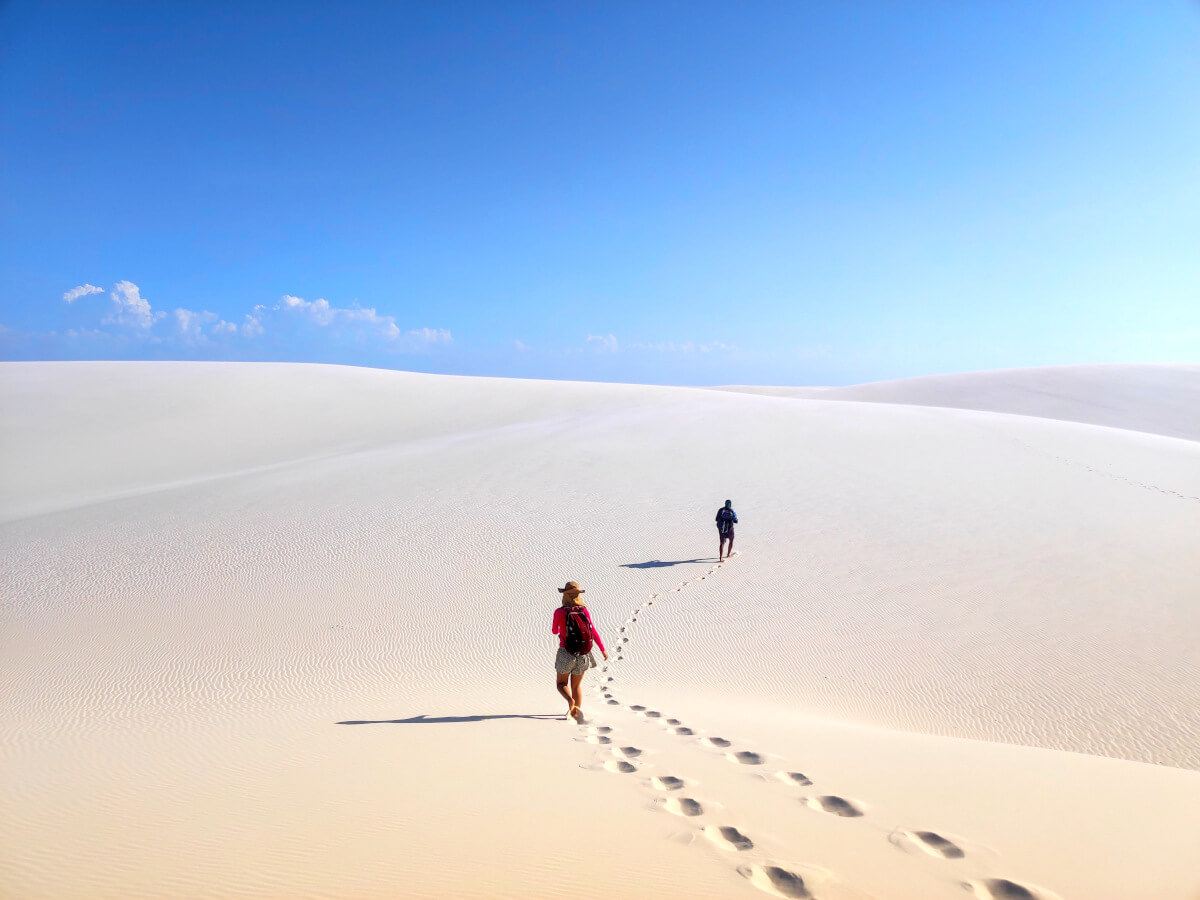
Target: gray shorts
568, 663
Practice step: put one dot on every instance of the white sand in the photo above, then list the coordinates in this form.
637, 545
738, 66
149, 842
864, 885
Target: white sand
1158, 399
965, 624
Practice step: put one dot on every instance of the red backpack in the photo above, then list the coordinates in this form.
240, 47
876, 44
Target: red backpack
578, 631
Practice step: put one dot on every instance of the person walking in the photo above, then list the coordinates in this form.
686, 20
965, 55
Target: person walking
576, 634
726, 519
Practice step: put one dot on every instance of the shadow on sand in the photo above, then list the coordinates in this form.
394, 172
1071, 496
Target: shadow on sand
659, 563
441, 720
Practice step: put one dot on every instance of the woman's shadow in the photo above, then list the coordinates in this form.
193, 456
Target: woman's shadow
443, 720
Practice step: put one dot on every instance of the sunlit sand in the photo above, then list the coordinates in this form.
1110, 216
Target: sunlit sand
280, 631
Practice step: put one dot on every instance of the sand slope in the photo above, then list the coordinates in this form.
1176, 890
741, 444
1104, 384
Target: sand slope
282, 631
1159, 399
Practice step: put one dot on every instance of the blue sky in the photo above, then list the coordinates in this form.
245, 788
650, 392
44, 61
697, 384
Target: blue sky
788, 193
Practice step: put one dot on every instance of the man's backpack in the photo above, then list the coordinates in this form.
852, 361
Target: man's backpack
725, 517
578, 631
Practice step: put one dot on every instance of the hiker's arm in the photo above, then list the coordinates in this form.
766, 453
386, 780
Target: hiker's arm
556, 623
596, 635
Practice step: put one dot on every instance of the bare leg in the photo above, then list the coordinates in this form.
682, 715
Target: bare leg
566, 694
730, 551
577, 691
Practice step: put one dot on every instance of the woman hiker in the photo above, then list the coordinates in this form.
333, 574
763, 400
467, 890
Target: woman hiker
576, 633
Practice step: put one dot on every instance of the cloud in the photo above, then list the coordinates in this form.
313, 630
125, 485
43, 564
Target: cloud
320, 313
292, 321
684, 347
131, 309
251, 326
423, 337
520, 345
604, 343
190, 325
84, 289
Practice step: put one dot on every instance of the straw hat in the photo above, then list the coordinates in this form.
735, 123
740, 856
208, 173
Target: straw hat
572, 588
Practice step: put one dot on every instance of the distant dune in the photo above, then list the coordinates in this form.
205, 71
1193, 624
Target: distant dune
1158, 399
283, 631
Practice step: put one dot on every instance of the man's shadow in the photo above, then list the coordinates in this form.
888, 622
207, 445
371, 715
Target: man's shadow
659, 563
443, 720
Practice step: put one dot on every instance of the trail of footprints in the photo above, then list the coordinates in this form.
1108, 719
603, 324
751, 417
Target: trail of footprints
771, 879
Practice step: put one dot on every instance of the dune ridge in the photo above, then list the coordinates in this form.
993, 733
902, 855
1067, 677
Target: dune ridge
1158, 399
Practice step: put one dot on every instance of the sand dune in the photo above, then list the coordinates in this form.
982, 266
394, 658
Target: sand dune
283, 631
1158, 399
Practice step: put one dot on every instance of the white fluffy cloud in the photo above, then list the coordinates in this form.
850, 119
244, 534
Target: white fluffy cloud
137, 319
319, 312
251, 327
190, 324
83, 290
604, 343
130, 308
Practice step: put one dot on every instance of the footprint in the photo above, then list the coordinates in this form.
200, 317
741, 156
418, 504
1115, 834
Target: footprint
929, 841
638, 708
777, 881
746, 758
684, 806
624, 640
837, 806
666, 783
727, 837
620, 765
598, 739
600, 729
628, 752
1003, 889
794, 778
718, 742
683, 730
653, 714
613, 702
674, 722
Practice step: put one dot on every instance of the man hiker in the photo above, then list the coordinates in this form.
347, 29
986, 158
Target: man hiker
726, 519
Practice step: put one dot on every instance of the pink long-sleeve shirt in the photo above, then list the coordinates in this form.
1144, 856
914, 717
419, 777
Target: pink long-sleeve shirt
559, 626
